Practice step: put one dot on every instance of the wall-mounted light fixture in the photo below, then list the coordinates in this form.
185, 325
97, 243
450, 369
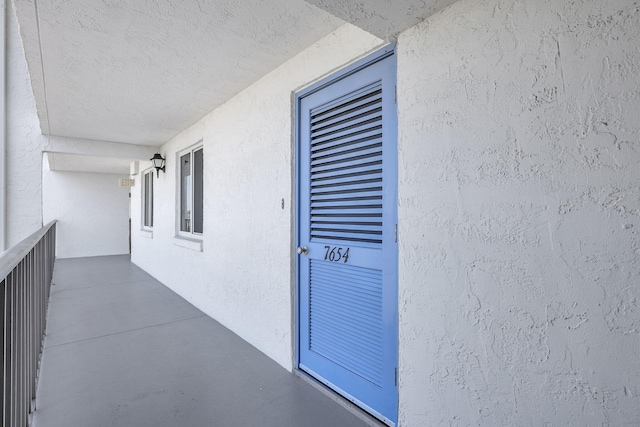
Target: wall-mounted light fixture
158, 163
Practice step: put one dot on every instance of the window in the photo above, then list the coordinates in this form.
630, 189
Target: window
147, 199
191, 191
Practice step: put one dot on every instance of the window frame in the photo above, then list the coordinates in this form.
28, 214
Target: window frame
189, 234
144, 205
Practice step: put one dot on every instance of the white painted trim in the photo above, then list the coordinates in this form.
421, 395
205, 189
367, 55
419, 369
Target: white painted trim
143, 207
146, 233
134, 167
189, 235
194, 245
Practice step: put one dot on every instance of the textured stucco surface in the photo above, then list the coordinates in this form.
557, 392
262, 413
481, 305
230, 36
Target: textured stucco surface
382, 18
156, 66
24, 143
518, 209
519, 214
243, 276
92, 211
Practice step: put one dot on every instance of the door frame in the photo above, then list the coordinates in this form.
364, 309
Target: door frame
369, 59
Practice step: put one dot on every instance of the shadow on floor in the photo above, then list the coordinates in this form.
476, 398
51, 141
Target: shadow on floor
124, 350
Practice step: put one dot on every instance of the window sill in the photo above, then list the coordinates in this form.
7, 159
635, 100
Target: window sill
147, 233
183, 242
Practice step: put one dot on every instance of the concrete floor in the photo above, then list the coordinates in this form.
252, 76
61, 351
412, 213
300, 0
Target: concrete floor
123, 350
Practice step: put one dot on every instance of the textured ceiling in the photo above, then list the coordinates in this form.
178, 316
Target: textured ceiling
383, 18
141, 71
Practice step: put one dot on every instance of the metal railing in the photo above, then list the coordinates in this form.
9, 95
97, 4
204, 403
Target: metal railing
25, 282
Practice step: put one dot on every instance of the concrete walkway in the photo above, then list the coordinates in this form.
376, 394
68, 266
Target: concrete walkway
123, 350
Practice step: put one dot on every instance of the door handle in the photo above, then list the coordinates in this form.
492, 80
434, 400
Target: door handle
303, 250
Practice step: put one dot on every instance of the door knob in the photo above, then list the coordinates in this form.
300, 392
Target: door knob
303, 250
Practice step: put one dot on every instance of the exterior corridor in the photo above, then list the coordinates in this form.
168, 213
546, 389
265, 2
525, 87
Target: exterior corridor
123, 350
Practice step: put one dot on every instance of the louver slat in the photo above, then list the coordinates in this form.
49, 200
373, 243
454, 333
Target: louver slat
345, 319
355, 131
347, 154
353, 188
359, 115
358, 168
329, 115
356, 227
375, 174
346, 169
369, 103
363, 137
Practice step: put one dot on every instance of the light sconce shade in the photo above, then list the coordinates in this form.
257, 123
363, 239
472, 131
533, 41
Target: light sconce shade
158, 163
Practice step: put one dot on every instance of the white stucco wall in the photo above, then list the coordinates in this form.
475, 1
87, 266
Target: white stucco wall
519, 214
24, 143
243, 276
92, 211
24, 177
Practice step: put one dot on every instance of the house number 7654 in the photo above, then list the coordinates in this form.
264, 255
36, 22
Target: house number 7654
336, 254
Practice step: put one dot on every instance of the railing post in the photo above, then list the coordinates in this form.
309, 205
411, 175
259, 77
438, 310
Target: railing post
26, 272
12, 350
20, 335
3, 314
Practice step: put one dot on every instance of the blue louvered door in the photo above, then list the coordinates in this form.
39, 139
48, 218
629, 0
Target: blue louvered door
347, 200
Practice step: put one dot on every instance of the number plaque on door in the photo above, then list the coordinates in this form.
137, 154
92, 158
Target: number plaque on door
336, 254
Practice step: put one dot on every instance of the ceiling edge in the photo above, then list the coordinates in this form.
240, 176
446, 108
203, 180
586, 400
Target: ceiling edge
375, 17
26, 15
84, 147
